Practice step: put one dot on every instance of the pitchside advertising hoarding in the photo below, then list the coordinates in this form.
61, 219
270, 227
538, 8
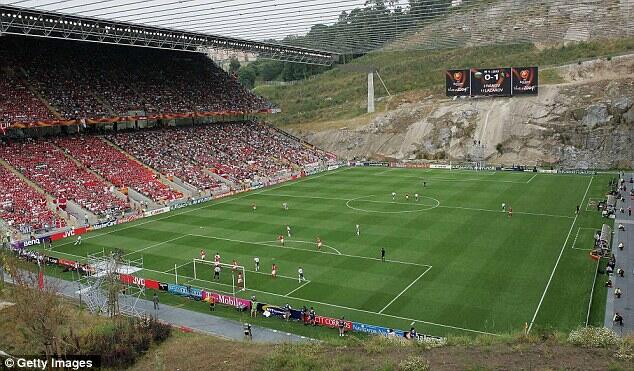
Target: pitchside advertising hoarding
498, 81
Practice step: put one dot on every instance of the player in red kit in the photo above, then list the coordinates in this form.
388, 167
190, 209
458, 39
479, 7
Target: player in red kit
274, 271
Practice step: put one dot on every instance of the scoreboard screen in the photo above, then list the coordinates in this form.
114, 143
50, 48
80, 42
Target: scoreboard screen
458, 83
525, 80
495, 82
491, 81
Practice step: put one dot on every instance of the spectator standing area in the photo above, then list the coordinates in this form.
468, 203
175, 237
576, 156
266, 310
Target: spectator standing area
625, 260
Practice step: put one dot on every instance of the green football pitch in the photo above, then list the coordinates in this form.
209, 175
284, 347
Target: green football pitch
455, 261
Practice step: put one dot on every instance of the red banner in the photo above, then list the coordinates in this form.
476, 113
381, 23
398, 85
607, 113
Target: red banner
132, 280
151, 284
72, 232
332, 322
66, 263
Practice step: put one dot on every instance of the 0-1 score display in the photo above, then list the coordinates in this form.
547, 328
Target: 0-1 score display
491, 81
500, 81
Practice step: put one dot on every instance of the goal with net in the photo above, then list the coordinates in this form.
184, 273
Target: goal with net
230, 275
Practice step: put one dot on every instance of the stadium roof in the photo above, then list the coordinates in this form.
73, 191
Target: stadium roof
314, 31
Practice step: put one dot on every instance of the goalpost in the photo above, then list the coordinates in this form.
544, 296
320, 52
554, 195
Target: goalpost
204, 270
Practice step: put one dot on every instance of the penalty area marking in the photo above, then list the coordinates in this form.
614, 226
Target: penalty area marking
333, 305
561, 252
310, 250
361, 199
155, 245
269, 242
405, 289
297, 288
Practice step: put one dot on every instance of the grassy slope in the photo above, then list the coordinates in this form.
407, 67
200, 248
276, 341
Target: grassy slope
197, 352
488, 271
337, 95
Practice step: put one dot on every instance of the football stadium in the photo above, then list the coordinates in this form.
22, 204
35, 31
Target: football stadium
308, 185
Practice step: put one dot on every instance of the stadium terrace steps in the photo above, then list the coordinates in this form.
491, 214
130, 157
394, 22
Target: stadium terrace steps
67, 154
186, 192
49, 199
221, 180
26, 180
39, 96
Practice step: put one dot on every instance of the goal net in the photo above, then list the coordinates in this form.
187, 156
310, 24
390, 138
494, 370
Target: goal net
229, 275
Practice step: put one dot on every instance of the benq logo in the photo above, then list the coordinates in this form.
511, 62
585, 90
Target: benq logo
35, 241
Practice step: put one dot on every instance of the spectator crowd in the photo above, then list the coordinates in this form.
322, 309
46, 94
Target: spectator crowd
114, 166
95, 81
22, 207
241, 152
47, 165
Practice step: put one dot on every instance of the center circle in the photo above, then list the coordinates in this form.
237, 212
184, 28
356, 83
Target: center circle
386, 205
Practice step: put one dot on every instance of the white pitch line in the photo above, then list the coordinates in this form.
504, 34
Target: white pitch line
414, 203
385, 171
528, 181
297, 288
330, 304
355, 309
432, 178
594, 282
574, 242
405, 289
298, 241
500, 211
561, 252
156, 245
309, 250
178, 266
211, 204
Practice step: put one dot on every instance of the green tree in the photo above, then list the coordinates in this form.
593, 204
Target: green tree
247, 75
234, 65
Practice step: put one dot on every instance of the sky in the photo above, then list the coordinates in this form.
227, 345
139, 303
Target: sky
248, 19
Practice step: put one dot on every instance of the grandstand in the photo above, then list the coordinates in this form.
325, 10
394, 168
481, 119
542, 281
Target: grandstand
103, 105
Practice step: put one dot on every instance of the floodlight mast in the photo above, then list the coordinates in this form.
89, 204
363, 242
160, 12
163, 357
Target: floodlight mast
370, 70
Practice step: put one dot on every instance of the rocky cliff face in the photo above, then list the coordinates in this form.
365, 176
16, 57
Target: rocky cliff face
587, 122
